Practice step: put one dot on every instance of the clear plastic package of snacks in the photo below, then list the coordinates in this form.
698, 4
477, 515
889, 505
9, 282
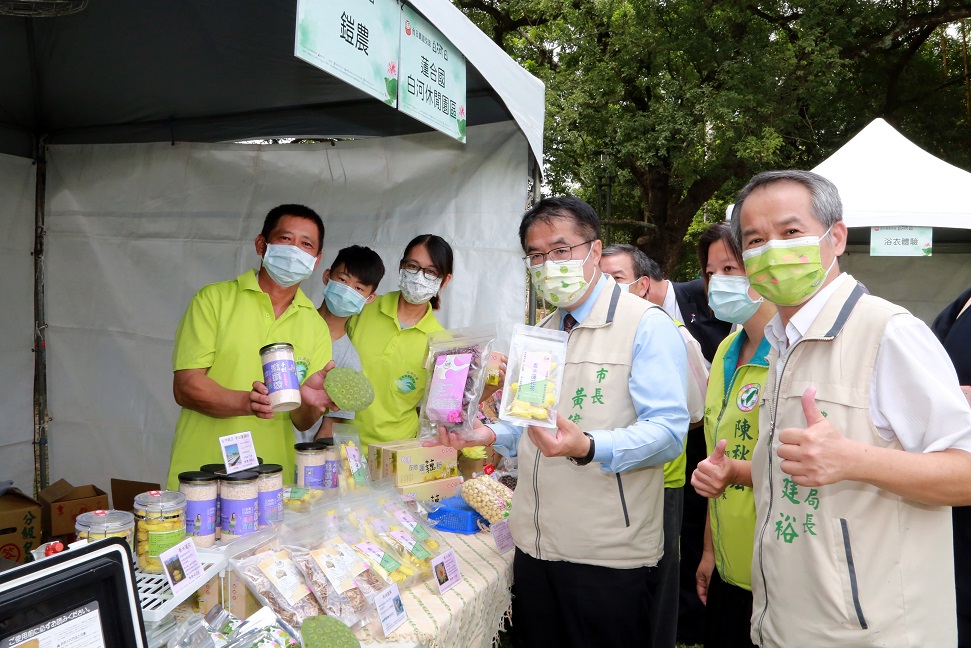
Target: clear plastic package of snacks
457, 366
488, 497
534, 376
354, 473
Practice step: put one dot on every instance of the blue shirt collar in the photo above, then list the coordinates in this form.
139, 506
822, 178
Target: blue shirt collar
735, 348
581, 312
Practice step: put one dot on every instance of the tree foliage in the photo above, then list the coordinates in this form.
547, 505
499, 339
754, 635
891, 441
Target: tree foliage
679, 103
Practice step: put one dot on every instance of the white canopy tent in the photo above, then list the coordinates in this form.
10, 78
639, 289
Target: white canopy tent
886, 180
134, 223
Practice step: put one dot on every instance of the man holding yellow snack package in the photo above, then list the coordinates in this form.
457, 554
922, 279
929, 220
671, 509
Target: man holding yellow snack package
587, 515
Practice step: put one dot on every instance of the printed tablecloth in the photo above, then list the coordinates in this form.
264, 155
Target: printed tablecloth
467, 616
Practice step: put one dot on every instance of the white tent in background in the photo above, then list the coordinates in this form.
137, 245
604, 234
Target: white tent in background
886, 180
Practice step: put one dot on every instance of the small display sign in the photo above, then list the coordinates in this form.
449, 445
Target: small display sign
901, 241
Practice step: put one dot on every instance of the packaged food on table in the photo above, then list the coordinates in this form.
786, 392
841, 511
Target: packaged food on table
387, 563
456, 364
354, 473
276, 581
159, 525
95, 525
534, 376
390, 533
491, 499
318, 465
201, 490
406, 512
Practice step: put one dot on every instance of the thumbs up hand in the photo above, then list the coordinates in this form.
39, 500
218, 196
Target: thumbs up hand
713, 474
815, 455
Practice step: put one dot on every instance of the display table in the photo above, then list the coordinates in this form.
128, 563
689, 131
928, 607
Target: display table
468, 615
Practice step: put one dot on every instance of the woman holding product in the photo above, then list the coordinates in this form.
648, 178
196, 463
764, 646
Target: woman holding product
391, 336
738, 373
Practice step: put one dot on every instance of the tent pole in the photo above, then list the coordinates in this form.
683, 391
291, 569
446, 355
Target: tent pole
41, 419
535, 196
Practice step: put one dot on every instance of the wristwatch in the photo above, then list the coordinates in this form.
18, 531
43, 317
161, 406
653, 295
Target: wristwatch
583, 461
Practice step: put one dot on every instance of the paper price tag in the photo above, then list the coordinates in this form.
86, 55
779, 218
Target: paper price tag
239, 453
391, 610
181, 566
446, 569
502, 535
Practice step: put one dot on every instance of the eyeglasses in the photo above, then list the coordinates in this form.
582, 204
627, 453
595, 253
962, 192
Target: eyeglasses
556, 255
413, 268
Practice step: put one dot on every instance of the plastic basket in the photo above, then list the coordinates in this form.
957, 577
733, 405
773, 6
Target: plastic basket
455, 516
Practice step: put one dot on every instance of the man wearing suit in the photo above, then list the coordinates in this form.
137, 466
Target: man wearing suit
687, 302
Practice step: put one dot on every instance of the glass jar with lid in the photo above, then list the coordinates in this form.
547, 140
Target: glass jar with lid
159, 526
95, 525
239, 503
201, 490
270, 488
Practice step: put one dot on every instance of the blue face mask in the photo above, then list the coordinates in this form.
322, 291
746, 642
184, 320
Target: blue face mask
342, 300
287, 265
729, 300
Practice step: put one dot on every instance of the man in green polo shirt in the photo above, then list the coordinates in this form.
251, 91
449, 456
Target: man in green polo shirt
216, 360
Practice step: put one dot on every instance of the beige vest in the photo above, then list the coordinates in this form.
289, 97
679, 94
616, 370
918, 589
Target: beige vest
847, 564
582, 514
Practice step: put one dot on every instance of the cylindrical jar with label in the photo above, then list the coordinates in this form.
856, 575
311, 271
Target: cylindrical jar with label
239, 503
280, 376
216, 469
95, 525
159, 525
317, 465
201, 490
270, 487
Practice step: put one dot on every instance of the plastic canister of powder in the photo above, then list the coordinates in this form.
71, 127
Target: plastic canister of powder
216, 469
201, 490
311, 464
160, 525
239, 504
280, 376
270, 487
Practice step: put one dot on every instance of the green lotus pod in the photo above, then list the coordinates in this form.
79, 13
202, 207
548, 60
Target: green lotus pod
350, 390
327, 632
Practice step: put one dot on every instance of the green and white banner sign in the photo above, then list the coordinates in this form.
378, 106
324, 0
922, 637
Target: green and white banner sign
354, 40
901, 241
431, 76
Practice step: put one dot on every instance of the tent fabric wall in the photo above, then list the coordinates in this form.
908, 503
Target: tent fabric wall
135, 230
16, 321
922, 285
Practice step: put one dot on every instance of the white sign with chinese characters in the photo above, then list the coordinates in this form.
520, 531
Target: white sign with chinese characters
431, 84
355, 40
901, 241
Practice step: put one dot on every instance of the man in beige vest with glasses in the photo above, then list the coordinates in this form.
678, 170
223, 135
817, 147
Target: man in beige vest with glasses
865, 441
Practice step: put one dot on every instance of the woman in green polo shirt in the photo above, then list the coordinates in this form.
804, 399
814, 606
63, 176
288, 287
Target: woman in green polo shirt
391, 336
738, 374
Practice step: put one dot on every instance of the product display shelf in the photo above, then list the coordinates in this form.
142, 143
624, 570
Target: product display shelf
156, 596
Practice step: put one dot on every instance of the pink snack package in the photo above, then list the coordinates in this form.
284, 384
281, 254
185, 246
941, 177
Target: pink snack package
447, 387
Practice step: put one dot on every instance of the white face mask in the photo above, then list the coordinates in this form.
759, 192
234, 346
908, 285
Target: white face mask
561, 284
729, 299
417, 288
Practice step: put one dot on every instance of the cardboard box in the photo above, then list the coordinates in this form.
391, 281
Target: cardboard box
473, 467
379, 457
414, 464
434, 491
20, 525
123, 492
61, 504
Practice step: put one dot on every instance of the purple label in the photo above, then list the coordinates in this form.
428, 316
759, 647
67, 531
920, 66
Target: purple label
332, 471
280, 374
447, 387
271, 507
239, 516
200, 518
313, 476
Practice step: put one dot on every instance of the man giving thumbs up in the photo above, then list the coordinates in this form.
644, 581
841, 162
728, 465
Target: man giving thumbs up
865, 440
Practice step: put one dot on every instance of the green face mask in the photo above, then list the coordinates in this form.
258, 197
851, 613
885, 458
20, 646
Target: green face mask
787, 272
561, 284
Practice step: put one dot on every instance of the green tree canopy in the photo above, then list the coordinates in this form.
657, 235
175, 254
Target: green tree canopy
679, 103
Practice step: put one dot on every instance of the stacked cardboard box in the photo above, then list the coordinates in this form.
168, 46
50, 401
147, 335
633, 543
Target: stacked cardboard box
423, 473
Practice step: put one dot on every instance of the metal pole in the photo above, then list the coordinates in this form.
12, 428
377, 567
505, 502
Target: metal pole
41, 419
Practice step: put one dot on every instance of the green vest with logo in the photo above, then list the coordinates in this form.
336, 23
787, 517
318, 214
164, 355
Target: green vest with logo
732, 413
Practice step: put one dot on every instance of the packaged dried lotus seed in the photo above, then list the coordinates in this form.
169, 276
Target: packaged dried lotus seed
354, 473
488, 497
407, 516
534, 376
383, 561
391, 533
457, 365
